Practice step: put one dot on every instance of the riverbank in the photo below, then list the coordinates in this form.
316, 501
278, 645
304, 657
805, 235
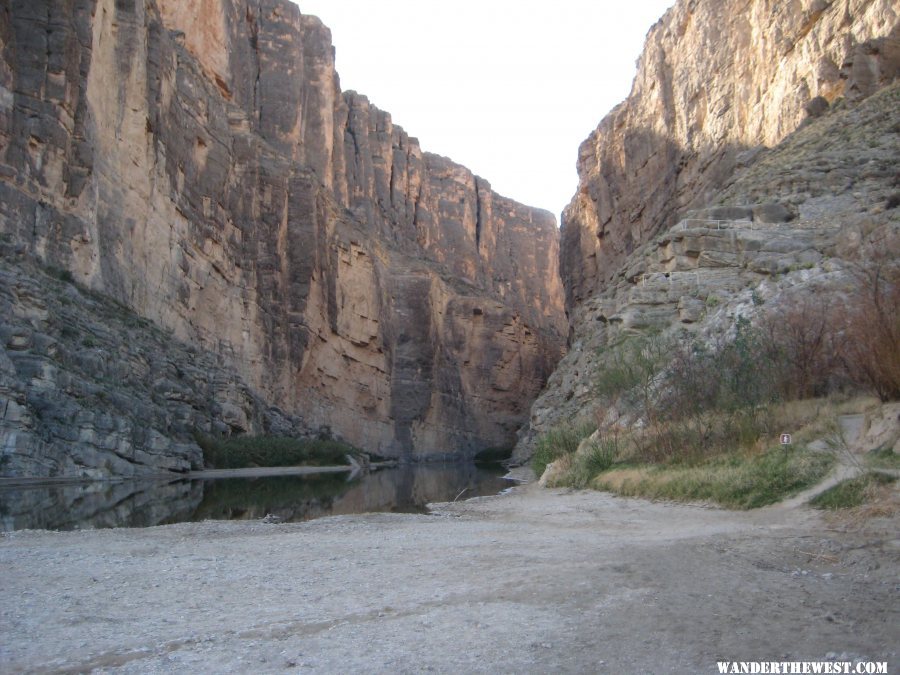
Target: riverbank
533, 581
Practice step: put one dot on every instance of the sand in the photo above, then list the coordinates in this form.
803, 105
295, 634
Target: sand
532, 581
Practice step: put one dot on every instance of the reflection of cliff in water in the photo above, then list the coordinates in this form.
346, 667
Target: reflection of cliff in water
292, 498
409, 488
289, 497
95, 505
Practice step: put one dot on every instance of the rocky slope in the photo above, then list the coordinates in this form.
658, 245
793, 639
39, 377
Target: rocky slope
198, 163
92, 389
717, 82
832, 185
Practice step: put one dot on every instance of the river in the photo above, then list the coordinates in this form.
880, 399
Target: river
143, 503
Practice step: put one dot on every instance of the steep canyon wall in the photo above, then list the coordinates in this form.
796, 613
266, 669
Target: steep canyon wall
198, 163
781, 113
718, 81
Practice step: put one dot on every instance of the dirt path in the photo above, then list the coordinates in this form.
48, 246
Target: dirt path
535, 581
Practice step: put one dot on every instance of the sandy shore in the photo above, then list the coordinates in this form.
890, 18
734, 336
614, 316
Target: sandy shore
534, 581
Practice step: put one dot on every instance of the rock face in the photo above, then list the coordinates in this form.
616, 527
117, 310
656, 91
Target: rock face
91, 389
198, 163
786, 227
717, 82
709, 134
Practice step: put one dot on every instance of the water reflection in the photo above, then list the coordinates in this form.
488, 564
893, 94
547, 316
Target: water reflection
92, 505
292, 498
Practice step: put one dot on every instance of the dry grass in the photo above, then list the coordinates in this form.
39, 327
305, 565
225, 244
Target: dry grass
620, 480
748, 475
741, 481
881, 501
814, 418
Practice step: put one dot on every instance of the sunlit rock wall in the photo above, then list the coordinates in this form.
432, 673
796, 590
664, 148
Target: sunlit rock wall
199, 163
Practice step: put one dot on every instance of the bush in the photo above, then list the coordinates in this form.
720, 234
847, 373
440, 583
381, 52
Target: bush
802, 345
711, 399
852, 492
730, 375
590, 462
559, 441
249, 451
815, 348
871, 322
630, 370
600, 455
61, 274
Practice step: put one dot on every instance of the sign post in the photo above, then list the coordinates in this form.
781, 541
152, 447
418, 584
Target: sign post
785, 439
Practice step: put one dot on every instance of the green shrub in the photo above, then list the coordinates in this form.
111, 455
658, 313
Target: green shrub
630, 368
596, 458
709, 400
559, 441
851, 492
240, 452
61, 274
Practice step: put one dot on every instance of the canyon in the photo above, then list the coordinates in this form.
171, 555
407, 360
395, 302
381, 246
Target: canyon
199, 232
202, 234
292, 260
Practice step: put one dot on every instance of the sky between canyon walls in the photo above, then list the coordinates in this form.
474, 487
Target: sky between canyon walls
509, 89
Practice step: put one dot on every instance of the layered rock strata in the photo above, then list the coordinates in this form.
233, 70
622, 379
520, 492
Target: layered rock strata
789, 226
707, 139
198, 163
717, 82
91, 389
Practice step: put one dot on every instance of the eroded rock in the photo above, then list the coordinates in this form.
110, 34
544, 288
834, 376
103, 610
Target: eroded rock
200, 165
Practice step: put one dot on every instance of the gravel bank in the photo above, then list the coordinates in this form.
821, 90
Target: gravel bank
533, 581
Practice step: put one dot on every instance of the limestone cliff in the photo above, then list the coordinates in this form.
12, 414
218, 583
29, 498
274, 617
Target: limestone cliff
718, 80
198, 163
835, 178
777, 118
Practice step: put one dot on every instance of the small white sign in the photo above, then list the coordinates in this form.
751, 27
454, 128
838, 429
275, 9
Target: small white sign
785, 439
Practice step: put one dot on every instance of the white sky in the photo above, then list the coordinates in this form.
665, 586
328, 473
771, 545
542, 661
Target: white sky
509, 89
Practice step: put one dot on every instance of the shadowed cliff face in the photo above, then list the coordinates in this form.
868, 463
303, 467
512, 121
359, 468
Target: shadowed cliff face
199, 163
717, 81
778, 116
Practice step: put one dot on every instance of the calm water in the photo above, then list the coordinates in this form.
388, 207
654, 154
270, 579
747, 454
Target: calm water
294, 498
